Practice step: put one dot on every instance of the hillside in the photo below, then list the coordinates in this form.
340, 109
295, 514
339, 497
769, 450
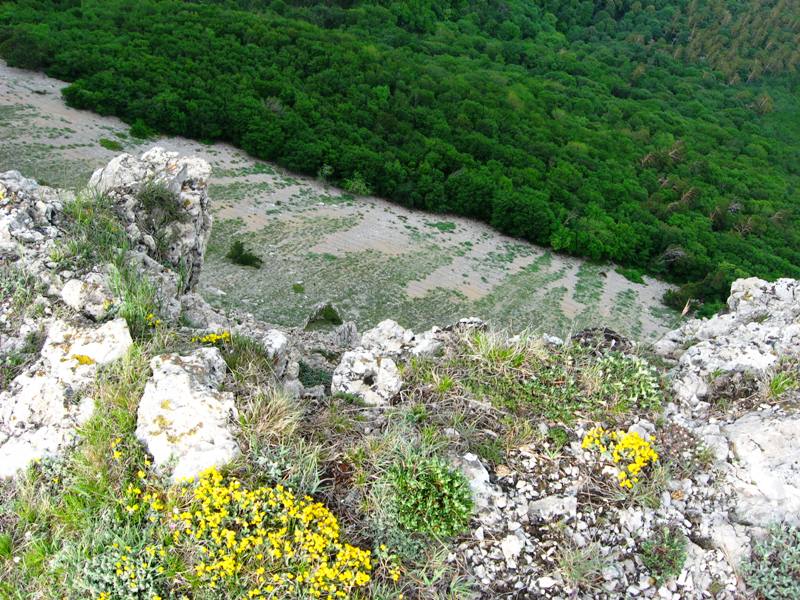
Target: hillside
662, 136
152, 447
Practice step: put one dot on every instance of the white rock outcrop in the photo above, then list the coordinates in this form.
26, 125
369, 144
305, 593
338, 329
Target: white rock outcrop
186, 236
45, 404
184, 420
370, 370
90, 296
762, 325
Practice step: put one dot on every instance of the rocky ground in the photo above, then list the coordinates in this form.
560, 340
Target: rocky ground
100, 319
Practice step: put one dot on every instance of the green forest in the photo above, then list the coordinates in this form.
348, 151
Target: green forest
663, 135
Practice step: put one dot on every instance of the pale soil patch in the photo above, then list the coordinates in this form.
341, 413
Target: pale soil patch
375, 259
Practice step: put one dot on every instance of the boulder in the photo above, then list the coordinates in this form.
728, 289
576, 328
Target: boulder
184, 420
186, 236
90, 296
388, 338
374, 379
44, 405
324, 316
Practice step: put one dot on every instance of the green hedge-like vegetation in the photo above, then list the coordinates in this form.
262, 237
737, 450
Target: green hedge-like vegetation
660, 134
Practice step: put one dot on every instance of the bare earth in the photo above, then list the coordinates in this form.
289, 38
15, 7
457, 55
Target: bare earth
374, 259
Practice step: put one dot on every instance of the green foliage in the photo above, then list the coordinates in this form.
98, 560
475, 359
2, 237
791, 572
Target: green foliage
139, 305
96, 237
583, 567
773, 571
160, 203
95, 233
298, 288
664, 553
239, 255
629, 380
781, 383
311, 376
601, 131
634, 275
557, 383
429, 496
444, 226
110, 144
19, 288
128, 566
357, 185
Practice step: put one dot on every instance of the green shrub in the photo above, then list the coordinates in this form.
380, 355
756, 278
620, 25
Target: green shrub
110, 144
239, 255
357, 185
773, 571
94, 233
141, 130
429, 496
311, 376
664, 553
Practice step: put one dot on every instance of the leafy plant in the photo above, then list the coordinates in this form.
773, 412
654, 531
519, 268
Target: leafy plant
582, 567
239, 255
429, 496
781, 383
311, 376
664, 553
773, 570
110, 144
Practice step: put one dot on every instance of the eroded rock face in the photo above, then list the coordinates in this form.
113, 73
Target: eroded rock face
762, 326
44, 405
184, 420
185, 236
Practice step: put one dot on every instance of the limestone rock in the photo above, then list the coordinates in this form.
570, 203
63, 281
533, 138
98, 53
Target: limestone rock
185, 422
761, 327
373, 378
187, 177
478, 477
90, 296
44, 405
766, 471
390, 339
324, 315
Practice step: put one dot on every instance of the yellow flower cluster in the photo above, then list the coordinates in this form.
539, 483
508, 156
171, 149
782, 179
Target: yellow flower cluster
213, 338
628, 450
152, 320
83, 359
277, 545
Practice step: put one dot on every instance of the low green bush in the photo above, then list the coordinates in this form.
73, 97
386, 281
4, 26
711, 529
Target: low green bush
429, 496
240, 255
110, 144
664, 553
311, 376
773, 571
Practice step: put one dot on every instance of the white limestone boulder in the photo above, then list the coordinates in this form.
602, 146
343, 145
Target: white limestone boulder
184, 420
43, 407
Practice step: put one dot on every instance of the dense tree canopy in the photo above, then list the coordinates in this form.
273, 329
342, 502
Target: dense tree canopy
661, 134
